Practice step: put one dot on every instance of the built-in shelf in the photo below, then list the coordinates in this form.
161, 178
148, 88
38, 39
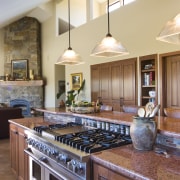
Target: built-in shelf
148, 73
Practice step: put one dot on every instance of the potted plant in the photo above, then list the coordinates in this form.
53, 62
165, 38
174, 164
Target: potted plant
72, 94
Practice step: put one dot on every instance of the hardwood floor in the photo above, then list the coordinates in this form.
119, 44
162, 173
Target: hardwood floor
5, 166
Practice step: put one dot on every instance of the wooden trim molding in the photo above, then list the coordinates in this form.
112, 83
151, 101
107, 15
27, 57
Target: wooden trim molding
22, 83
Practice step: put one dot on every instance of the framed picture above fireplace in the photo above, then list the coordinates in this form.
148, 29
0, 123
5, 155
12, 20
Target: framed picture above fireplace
19, 69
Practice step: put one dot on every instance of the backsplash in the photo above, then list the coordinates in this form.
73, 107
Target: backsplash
168, 141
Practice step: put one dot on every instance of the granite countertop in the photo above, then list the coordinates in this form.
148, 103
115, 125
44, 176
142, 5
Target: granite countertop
165, 125
29, 122
141, 165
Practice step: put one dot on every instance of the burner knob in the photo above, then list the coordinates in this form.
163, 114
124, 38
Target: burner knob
48, 151
63, 158
30, 141
80, 169
40, 147
58, 157
43, 148
36, 145
54, 152
74, 165
33, 143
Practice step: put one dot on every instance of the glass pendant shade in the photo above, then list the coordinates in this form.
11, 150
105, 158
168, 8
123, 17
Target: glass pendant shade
171, 31
69, 57
109, 47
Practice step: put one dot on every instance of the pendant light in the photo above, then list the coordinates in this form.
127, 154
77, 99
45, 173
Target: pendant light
69, 57
171, 31
109, 47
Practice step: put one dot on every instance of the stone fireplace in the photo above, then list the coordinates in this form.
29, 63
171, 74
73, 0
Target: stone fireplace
31, 91
22, 41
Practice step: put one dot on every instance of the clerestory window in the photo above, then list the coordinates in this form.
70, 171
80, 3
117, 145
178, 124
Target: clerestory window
83, 11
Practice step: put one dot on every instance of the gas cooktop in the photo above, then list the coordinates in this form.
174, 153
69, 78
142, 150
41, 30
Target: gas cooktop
83, 138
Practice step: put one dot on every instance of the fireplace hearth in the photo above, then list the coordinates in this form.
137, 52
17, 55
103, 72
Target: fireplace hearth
31, 91
23, 104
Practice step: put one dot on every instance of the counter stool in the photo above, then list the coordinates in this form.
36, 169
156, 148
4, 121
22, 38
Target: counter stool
172, 112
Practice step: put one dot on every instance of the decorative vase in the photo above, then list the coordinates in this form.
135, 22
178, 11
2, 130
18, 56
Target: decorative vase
68, 108
143, 131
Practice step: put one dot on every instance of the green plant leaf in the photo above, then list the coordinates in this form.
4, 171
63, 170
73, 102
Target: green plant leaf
82, 86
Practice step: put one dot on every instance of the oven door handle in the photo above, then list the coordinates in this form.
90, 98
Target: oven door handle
43, 161
29, 152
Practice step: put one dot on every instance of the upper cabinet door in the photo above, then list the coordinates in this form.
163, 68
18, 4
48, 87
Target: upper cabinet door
105, 81
95, 82
129, 82
169, 79
173, 81
117, 83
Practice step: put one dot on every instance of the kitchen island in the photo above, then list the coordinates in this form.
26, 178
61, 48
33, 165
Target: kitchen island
165, 125
125, 160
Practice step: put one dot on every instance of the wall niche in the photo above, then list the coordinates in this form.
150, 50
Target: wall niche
22, 41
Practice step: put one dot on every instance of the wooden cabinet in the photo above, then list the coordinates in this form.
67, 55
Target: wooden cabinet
169, 81
19, 160
148, 78
115, 83
123, 83
95, 83
103, 173
13, 148
100, 82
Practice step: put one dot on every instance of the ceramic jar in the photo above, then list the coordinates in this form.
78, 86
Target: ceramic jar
143, 131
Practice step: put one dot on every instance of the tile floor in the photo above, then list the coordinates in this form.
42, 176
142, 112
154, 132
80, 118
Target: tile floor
5, 167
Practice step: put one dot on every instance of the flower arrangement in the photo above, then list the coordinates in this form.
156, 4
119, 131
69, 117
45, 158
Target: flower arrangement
72, 94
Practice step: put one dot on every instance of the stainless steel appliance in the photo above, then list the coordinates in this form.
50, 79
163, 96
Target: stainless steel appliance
62, 151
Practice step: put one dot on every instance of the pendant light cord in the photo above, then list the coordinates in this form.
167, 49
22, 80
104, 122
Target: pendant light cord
69, 25
108, 34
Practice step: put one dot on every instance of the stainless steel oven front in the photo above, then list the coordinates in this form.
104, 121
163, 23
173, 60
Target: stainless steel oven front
43, 168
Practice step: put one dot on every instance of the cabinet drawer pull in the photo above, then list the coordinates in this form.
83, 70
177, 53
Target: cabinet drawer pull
15, 132
101, 177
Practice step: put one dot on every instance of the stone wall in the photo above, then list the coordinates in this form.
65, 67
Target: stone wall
32, 91
22, 41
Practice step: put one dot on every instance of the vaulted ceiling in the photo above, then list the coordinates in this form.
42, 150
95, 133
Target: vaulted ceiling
12, 10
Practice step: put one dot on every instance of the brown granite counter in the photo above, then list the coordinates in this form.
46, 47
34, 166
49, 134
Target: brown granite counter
29, 122
141, 165
166, 126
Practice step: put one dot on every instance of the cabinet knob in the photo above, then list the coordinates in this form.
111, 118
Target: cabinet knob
101, 177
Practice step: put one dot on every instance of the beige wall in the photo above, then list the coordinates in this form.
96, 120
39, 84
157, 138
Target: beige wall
135, 25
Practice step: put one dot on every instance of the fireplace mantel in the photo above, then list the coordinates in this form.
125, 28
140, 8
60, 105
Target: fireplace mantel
31, 91
22, 83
